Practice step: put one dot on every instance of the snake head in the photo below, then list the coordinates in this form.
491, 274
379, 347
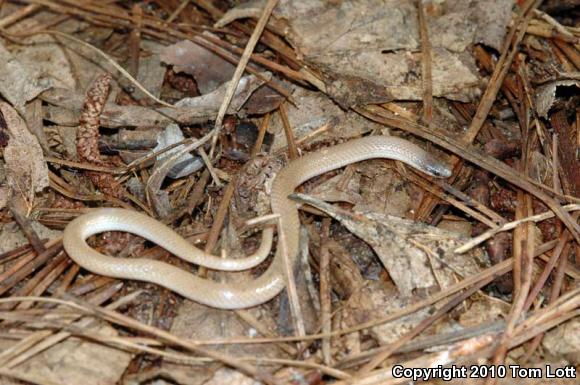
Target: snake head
437, 168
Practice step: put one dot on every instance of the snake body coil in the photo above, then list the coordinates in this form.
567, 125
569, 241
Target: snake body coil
253, 291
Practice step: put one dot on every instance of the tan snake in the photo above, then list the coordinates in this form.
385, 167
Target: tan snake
252, 291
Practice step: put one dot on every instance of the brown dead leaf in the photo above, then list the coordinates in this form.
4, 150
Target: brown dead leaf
19, 83
26, 170
565, 341
369, 55
377, 300
313, 110
151, 72
482, 310
64, 62
49, 57
246, 87
340, 188
417, 256
199, 322
384, 191
209, 70
546, 94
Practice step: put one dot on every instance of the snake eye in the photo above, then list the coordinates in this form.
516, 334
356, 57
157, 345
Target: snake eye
439, 170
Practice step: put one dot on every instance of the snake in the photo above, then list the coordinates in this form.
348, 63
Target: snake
250, 291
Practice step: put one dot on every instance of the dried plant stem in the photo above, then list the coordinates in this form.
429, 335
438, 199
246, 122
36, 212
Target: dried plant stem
426, 64
325, 291
261, 134
510, 48
289, 133
509, 226
233, 84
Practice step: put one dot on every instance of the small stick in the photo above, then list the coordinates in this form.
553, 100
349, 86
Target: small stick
261, 134
135, 40
15, 253
19, 14
19, 271
177, 11
292, 148
84, 166
426, 63
509, 226
562, 248
325, 291
95, 282
43, 279
16, 205
233, 84
219, 219
68, 278
210, 168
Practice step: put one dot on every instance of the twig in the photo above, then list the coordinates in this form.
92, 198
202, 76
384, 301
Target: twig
509, 226
325, 291
19, 271
289, 133
233, 84
15, 204
134, 40
219, 219
426, 63
18, 14
261, 134
84, 166
503, 65
520, 295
